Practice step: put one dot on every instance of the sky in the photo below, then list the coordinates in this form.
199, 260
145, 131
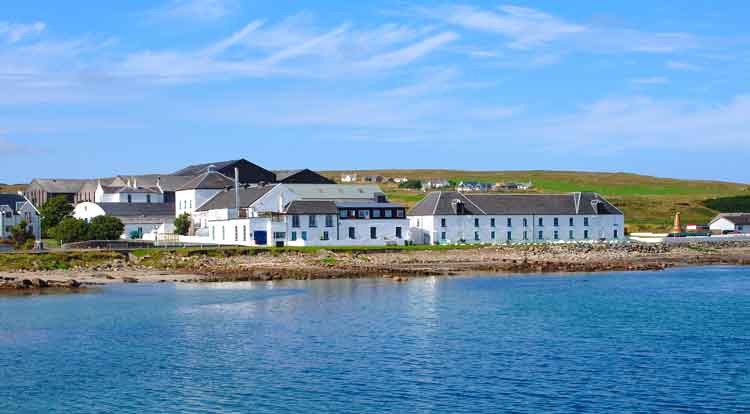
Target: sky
93, 88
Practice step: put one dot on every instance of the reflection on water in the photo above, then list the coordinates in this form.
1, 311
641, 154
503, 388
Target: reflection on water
674, 341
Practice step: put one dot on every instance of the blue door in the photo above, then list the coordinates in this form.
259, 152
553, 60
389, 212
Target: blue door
260, 237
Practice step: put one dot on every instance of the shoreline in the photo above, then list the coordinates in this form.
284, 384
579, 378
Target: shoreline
183, 266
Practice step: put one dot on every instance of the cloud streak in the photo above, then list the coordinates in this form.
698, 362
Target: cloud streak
200, 10
15, 32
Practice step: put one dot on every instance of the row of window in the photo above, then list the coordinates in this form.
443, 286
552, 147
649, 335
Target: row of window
375, 213
312, 221
325, 235
185, 204
540, 235
509, 222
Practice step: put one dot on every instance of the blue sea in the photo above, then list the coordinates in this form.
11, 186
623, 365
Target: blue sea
676, 341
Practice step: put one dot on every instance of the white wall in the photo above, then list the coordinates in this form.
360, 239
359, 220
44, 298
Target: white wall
429, 229
134, 197
722, 224
187, 201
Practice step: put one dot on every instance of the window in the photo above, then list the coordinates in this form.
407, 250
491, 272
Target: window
388, 213
585, 234
352, 233
329, 221
510, 236
236, 233
510, 222
442, 236
148, 198
213, 232
376, 213
244, 233
540, 236
312, 221
571, 235
398, 233
279, 235
492, 223
525, 234
223, 233
442, 222
363, 214
191, 203
295, 221
571, 223
324, 236
476, 222
130, 198
541, 221
586, 221
373, 232
342, 214
294, 236
476, 236
556, 222
556, 235
352, 213
492, 235
615, 234
304, 235
526, 222
400, 213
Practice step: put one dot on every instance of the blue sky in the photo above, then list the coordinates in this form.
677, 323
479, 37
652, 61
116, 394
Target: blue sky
97, 88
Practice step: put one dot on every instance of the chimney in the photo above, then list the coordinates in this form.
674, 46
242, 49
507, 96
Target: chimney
237, 190
135, 183
158, 182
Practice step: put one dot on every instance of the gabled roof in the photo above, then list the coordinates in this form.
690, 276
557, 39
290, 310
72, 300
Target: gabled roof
249, 173
167, 182
226, 199
442, 203
738, 219
304, 176
209, 180
138, 209
59, 186
312, 207
11, 200
197, 169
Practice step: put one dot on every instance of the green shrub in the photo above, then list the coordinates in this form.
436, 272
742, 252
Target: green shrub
105, 228
21, 234
70, 230
737, 204
182, 224
53, 212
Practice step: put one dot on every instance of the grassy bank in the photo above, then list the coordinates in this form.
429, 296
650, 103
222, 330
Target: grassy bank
54, 260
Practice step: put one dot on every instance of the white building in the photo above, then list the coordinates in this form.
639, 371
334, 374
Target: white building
300, 215
141, 220
129, 193
731, 223
348, 178
15, 208
453, 217
435, 184
199, 190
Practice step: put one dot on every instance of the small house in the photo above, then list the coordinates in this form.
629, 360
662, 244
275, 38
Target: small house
730, 223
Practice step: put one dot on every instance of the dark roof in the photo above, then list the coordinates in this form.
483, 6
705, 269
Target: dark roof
210, 180
168, 182
138, 209
442, 203
312, 207
11, 200
739, 219
197, 169
58, 186
249, 173
304, 176
226, 199
371, 204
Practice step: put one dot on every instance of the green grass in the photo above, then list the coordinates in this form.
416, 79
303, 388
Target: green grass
54, 261
649, 203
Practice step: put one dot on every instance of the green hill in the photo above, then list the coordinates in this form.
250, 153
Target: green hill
649, 203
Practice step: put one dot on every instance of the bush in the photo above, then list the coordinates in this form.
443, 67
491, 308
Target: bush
415, 185
182, 224
737, 204
53, 212
70, 230
105, 228
21, 234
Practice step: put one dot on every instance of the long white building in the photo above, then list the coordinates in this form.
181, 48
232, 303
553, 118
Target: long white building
298, 215
444, 217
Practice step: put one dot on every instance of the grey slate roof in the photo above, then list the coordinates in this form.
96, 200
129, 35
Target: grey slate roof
138, 209
739, 219
112, 190
312, 207
303, 176
57, 186
209, 180
197, 169
441, 203
226, 199
168, 182
11, 200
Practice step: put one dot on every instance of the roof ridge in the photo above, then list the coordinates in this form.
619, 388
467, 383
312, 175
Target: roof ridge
475, 204
434, 210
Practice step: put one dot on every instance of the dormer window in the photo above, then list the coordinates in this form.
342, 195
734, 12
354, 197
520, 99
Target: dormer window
458, 207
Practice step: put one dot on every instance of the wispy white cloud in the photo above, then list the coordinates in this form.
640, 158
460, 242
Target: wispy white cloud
683, 66
409, 53
204, 10
14, 32
654, 80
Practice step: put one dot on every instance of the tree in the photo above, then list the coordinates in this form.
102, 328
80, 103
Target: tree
21, 234
70, 230
53, 212
182, 224
105, 228
413, 184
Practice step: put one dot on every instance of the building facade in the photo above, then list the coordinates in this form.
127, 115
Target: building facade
15, 208
453, 217
142, 220
730, 223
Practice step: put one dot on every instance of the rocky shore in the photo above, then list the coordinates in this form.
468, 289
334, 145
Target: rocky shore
262, 265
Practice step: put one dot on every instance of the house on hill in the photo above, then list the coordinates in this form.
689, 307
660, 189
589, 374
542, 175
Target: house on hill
445, 217
435, 183
474, 186
730, 223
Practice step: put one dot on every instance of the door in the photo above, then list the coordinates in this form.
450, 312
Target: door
260, 237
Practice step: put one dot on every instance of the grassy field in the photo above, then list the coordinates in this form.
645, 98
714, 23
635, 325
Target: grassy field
11, 188
649, 203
